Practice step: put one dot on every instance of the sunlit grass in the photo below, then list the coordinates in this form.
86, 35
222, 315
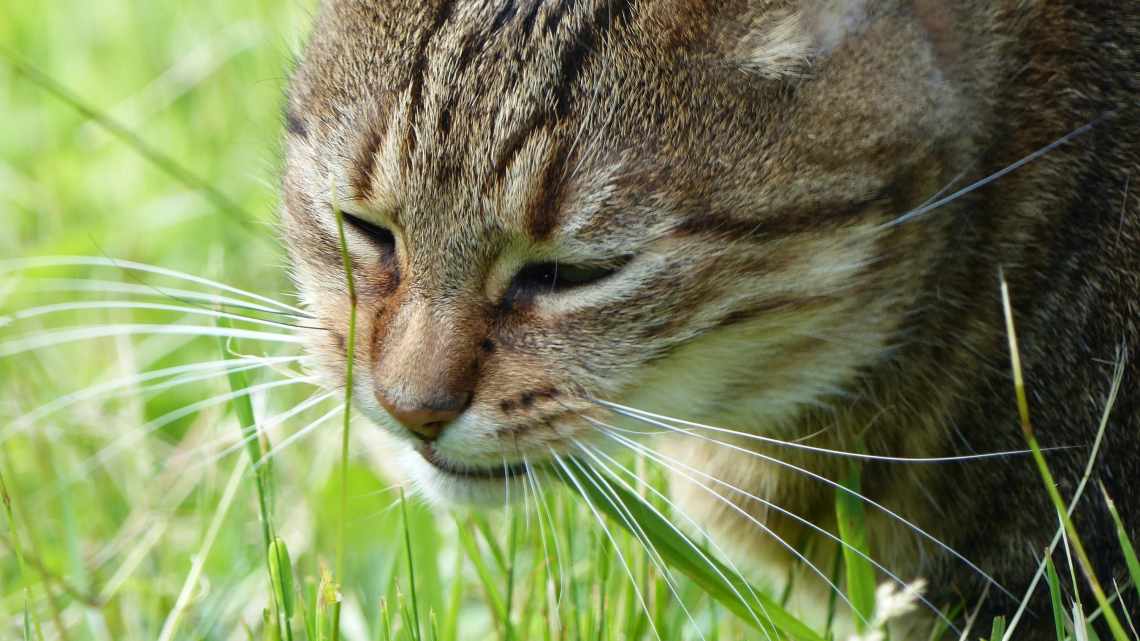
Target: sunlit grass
145, 512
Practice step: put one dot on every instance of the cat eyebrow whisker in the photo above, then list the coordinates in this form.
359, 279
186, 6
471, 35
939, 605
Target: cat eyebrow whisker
609, 535
602, 485
674, 465
1008, 169
842, 488
597, 454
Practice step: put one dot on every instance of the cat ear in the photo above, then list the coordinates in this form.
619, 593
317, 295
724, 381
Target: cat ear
780, 39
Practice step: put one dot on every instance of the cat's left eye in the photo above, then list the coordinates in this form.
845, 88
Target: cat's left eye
552, 277
379, 236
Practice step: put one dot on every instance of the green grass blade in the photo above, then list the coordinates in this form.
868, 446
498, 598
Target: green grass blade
411, 569
486, 578
1126, 547
281, 574
1083, 561
1054, 581
997, 631
678, 554
497, 553
247, 420
450, 628
853, 531
163, 162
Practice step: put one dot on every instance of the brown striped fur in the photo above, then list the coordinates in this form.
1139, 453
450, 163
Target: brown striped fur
747, 155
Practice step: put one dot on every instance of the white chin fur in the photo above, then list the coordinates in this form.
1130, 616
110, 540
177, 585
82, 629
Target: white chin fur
448, 490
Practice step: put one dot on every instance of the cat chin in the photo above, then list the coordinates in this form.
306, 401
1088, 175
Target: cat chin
446, 489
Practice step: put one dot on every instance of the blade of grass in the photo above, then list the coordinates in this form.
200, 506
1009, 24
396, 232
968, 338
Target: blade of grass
1054, 582
678, 554
257, 445
450, 631
170, 626
29, 620
349, 361
416, 634
491, 592
163, 162
997, 631
281, 575
512, 547
484, 528
1125, 545
853, 531
247, 421
1083, 561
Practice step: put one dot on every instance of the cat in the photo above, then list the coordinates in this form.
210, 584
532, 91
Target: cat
787, 218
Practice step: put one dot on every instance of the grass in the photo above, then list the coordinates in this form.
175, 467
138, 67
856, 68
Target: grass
213, 497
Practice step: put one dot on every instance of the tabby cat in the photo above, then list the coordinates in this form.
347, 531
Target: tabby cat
786, 218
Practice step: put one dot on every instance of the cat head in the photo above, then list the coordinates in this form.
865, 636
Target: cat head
683, 205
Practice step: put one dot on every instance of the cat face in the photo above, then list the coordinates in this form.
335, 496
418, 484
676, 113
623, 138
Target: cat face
679, 205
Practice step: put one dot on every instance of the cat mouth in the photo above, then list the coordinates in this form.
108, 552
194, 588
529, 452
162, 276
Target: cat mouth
469, 472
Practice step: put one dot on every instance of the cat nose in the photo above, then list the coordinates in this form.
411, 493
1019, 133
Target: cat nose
426, 422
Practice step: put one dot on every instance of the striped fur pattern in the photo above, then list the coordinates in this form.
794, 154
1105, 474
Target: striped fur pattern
730, 171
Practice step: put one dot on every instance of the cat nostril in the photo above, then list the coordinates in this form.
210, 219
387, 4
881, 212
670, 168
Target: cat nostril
425, 422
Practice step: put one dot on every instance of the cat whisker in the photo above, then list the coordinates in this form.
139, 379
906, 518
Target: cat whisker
636, 529
24, 264
997, 175
838, 486
635, 413
214, 368
54, 337
261, 427
102, 286
55, 308
540, 504
298, 435
526, 500
367, 517
664, 460
105, 455
609, 535
597, 455
599, 482
755, 521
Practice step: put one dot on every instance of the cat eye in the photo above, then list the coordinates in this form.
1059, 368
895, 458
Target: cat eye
538, 278
382, 237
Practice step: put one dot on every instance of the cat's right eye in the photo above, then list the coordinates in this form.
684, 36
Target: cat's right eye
379, 236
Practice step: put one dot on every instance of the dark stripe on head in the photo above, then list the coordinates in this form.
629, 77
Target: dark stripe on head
419, 68
529, 18
546, 203
517, 140
364, 165
554, 17
782, 223
508, 11
608, 15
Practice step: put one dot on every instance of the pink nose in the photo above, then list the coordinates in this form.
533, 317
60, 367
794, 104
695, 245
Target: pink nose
426, 422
